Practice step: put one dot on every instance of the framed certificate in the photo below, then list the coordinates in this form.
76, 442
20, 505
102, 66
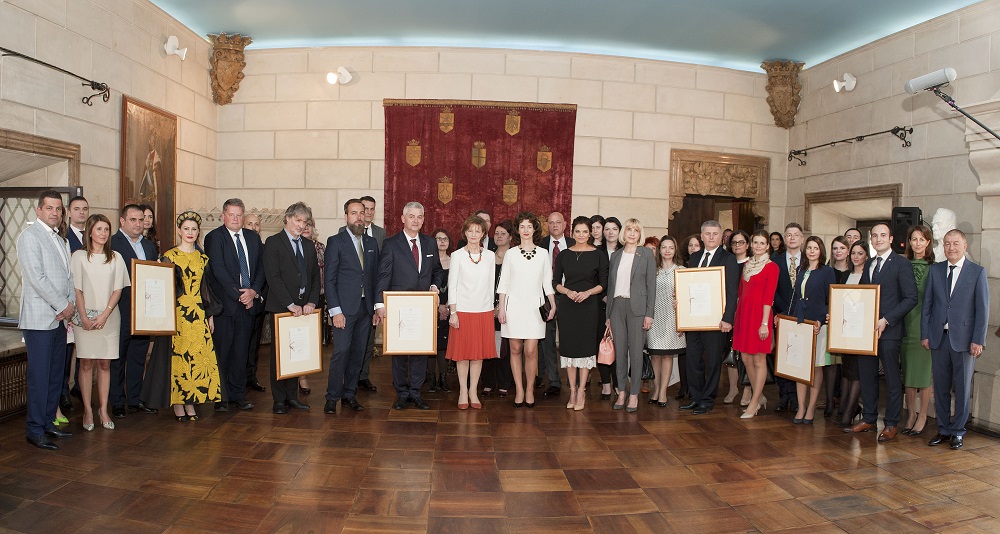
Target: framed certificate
410, 325
795, 349
154, 303
701, 298
854, 311
298, 343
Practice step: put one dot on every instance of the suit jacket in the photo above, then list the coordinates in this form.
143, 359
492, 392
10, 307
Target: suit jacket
224, 266
345, 278
815, 304
966, 311
377, 232
74, 243
121, 245
46, 279
783, 295
282, 273
897, 292
548, 239
723, 258
398, 272
642, 281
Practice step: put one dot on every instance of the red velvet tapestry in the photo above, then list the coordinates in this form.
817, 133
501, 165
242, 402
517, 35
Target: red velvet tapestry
456, 157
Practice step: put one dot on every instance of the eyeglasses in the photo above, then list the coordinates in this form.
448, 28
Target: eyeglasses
740, 242
442, 238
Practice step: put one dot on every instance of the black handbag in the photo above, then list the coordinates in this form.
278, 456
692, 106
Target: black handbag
545, 309
647, 367
744, 379
730, 359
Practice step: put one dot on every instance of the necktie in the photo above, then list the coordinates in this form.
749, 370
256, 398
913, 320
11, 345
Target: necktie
361, 258
951, 277
555, 253
301, 260
792, 270
878, 267
244, 268
416, 253
707, 257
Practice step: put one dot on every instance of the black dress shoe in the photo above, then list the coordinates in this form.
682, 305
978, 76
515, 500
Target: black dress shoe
118, 411
431, 381
56, 433
242, 404
443, 384
420, 404
701, 410
781, 407
279, 407
956, 443
353, 404
255, 385
43, 442
221, 407
297, 405
65, 404
142, 408
689, 406
538, 382
938, 439
400, 404
552, 390
367, 384
330, 407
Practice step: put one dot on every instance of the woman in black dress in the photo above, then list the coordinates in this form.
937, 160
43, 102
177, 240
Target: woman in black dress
581, 274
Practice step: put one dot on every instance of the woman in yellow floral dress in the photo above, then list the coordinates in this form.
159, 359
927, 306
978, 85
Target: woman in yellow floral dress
194, 367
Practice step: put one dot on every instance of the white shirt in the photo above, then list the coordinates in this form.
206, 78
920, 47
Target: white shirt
409, 245
78, 232
884, 256
788, 260
136, 246
710, 254
623, 277
552, 244
243, 245
954, 277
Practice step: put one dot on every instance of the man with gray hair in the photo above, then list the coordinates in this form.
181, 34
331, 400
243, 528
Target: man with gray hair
408, 262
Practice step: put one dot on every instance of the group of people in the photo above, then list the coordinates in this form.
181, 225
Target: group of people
501, 300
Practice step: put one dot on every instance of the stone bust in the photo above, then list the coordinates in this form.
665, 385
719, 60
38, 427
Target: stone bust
943, 221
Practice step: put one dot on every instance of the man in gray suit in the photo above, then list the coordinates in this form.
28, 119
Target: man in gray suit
953, 327
47, 296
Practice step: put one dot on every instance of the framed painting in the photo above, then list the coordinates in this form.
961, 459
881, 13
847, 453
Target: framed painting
149, 163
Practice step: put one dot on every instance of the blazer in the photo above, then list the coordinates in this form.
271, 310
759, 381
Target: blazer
282, 273
46, 279
815, 304
642, 289
783, 295
724, 258
547, 239
398, 272
224, 267
377, 232
121, 245
345, 278
74, 243
897, 292
966, 311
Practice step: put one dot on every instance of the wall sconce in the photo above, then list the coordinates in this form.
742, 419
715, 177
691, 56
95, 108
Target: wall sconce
342, 76
171, 48
847, 83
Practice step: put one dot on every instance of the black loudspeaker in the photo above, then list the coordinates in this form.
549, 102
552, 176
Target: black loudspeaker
902, 219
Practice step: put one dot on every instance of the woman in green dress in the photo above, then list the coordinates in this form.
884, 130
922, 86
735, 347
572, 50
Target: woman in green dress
915, 359
194, 368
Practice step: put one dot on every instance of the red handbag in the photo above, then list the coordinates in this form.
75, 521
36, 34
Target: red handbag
606, 349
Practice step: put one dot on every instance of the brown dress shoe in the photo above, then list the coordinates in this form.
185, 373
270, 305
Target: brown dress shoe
859, 428
888, 434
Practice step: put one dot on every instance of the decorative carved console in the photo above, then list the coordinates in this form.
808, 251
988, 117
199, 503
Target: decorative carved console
783, 90
694, 172
228, 62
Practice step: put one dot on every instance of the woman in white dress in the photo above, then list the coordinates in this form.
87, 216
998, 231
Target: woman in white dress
525, 283
99, 275
662, 339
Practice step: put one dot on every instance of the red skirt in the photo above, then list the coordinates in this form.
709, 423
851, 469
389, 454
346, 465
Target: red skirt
474, 339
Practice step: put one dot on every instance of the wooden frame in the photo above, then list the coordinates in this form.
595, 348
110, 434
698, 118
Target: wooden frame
149, 163
854, 311
410, 326
298, 343
154, 294
795, 349
701, 298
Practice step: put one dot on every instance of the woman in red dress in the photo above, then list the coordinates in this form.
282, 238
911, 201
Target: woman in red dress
754, 322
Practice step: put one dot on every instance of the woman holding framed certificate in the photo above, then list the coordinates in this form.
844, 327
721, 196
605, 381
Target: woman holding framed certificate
811, 301
753, 328
850, 394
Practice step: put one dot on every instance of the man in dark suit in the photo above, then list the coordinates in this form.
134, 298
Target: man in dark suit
788, 263
350, 271
237, 278
378, 233
408, 262
78, 210
292, 273
953, 327
556, 242
897, 296
705, 349
128, 369
251, 221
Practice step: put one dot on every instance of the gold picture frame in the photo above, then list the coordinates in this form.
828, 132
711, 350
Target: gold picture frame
149, 163
795, 349
854, 312
298, 342
701, 298
410, 326
154, 299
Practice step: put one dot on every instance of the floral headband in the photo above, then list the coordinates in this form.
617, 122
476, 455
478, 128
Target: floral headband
189, 216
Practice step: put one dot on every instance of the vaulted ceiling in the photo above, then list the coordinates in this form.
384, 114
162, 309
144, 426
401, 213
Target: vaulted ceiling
737, 34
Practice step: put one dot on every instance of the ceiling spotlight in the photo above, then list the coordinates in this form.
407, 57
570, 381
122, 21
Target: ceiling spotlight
847, 83
342, 76
171, 48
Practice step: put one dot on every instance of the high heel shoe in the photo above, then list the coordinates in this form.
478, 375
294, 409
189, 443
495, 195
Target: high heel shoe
89, 426
572, 399
653, 401
633, 409
747, 414
729, 398
109, 424
763, 404
618, 405
581, 401
183, 418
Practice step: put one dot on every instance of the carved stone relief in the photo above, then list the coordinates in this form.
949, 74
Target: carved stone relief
227, 65
783, 90
694, 172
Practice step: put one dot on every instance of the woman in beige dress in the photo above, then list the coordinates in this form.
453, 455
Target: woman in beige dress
99, 274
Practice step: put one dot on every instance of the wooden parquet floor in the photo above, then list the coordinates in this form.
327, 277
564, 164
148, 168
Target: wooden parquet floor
499, 470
